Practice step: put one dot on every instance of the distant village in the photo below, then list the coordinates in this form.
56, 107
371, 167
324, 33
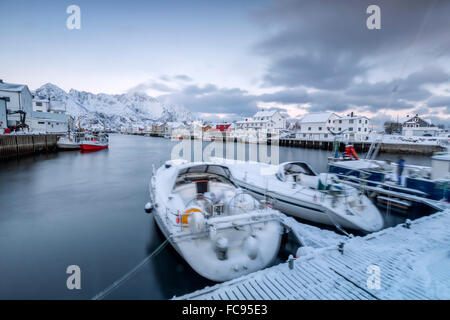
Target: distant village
21, 111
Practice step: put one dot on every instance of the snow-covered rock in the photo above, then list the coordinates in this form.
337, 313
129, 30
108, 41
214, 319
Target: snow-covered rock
113, 111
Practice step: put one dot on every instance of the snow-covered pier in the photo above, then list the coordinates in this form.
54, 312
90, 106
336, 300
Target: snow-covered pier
409, 261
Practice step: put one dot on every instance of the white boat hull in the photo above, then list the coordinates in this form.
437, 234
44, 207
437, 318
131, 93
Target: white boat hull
252, 234
302, 202
309, 211
68, 146
208, 267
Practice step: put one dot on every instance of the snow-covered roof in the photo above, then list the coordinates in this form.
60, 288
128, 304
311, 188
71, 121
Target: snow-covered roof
354, 117
57, 105
253, 121
316, 117
421, 129
4, 86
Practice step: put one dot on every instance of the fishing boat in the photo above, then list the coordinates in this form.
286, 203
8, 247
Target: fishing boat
71, 141
296, 189
95, 141
221, 231
420, 182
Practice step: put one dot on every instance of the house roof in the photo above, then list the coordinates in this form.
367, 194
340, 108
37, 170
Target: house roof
354, 117
253, 121
12, 87
316, 117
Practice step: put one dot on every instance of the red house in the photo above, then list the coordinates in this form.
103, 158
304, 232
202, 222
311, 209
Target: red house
222, 127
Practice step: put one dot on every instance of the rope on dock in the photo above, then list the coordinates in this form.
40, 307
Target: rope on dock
116, 284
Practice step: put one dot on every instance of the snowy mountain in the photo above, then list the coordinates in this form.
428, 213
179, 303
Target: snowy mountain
114, 111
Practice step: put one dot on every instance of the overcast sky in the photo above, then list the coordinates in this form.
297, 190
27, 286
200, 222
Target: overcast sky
229, 58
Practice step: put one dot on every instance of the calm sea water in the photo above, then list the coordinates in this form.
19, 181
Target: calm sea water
86, 209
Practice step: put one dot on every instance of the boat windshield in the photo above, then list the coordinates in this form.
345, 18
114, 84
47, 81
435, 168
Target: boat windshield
204, 172
297, 168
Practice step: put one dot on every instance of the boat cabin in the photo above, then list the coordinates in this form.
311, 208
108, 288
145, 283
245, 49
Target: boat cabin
294, 169
206, 186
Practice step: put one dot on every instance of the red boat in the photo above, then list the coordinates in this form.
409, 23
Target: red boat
95, 142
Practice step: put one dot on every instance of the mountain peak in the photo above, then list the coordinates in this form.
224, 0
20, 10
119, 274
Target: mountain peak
114, 111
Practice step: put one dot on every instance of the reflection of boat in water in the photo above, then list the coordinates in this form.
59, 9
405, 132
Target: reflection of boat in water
95, 141
220, 231
295, 189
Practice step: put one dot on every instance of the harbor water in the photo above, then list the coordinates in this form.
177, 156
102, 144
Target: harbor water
86, 209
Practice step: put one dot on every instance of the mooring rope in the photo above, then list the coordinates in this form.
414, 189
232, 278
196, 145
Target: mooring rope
129, 274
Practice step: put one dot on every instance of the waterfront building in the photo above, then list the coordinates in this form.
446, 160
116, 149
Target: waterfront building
416, 126
268, 121
316, 126
20, 99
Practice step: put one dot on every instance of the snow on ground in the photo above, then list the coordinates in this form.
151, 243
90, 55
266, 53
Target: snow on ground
409, 263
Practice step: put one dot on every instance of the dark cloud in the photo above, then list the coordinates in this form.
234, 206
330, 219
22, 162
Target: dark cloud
183, 77
322, 70
212, 99
326, 44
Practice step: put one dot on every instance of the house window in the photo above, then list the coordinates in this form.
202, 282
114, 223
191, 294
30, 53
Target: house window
320, 128
340, 121
365, 129
350, 129
41, 122
309, 128
304, 135
329, 121
339, 129
39, 104
366, 121
351, 121
359, 120
359, 129
325, 135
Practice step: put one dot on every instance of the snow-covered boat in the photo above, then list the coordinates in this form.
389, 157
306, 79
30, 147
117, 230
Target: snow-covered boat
420, 181
296, 189
221, 231
70, 141
95, 142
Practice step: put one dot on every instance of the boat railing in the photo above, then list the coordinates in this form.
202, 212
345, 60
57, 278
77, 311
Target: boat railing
170, 215
236, 222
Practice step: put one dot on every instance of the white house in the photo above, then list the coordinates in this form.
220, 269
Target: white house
315, 126
49, 116
270, 121
354, 127
41, 104
416, 126
19, 99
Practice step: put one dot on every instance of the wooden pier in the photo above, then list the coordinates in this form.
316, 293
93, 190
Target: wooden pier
411, 261
13, 146
363, 146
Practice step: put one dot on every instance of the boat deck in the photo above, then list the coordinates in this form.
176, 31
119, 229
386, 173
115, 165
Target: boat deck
413, 263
